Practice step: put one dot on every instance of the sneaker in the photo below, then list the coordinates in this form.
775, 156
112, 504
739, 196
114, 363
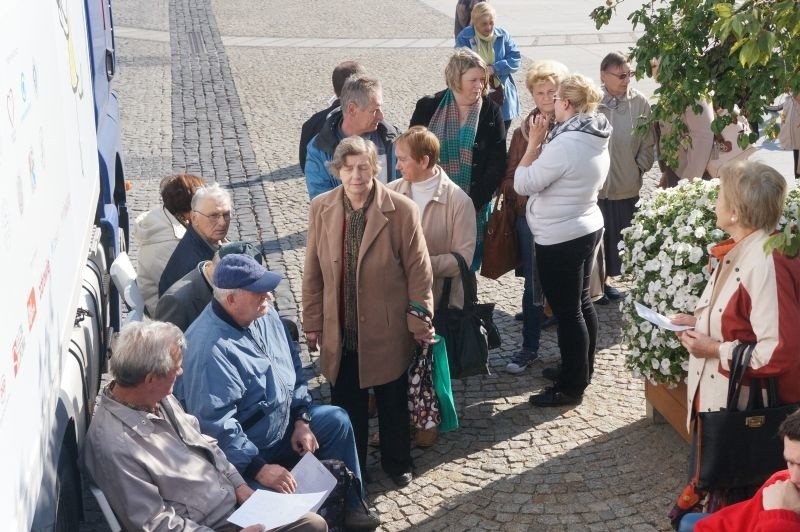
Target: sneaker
521, 360
612, 293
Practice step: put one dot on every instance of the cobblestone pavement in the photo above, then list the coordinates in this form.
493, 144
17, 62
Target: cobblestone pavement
192, 99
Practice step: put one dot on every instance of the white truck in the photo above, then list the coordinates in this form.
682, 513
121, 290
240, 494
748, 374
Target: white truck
63, 220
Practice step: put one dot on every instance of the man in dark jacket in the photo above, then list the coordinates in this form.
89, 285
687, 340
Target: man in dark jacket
210, 220
313, 125
360, 114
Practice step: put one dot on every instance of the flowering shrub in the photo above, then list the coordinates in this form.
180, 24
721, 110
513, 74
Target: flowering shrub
665, 252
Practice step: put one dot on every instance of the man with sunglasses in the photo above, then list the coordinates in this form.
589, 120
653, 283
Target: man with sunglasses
208, 228
632, 155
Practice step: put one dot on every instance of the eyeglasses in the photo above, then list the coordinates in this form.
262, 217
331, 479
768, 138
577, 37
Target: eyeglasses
621, 77
217, 216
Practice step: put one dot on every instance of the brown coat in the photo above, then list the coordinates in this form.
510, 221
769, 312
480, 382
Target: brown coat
448, 224
393, 268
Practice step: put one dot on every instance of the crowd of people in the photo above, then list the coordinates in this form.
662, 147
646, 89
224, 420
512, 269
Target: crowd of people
209, 399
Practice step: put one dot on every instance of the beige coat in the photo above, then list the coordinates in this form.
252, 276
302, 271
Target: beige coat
448, 224
393, 269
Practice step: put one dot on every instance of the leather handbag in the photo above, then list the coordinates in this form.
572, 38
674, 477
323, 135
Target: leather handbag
463, 329
500, 243
737, 449
496, 93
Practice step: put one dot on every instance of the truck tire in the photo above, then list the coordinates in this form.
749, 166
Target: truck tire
68, 493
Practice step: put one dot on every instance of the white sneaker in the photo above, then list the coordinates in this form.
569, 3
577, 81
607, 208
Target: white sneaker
521, 360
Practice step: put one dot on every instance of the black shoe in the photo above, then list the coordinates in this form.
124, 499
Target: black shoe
554, 397
602, 301
361, 519
548, 322
402, 479
552, 374
612, 293
518, 316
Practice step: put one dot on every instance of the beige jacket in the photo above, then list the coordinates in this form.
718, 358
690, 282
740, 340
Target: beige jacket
393, 268
448, 224
694, 152
155, 478
631, 155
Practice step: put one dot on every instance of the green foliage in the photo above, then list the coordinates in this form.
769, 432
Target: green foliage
740, 54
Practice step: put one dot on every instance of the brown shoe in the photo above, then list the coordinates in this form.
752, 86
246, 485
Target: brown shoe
425, 438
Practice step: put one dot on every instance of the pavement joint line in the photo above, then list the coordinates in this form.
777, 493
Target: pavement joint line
256, 41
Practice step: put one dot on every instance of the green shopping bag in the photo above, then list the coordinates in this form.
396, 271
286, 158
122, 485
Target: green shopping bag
441, 383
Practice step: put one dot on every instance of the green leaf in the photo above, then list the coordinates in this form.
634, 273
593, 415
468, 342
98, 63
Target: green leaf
723, 10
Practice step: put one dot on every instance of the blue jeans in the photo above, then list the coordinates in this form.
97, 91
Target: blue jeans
334, 433
689, 520
531, 312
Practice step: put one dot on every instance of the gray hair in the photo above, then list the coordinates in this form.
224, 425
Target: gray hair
221, 294
145, 347
359, 89
212, 191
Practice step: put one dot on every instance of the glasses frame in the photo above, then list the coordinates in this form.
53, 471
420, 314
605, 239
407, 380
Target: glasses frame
216, 217
621, 77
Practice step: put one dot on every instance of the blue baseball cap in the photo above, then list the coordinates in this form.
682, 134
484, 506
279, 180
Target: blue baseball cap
243, 271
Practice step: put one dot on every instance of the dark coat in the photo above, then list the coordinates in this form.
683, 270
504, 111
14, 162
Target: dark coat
191, 250
488, 153
185, 299
310, 128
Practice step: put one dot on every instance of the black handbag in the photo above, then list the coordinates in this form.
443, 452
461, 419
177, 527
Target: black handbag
737, 449
464, 330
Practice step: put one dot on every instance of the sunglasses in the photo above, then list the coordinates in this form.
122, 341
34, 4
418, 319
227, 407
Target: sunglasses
621, 77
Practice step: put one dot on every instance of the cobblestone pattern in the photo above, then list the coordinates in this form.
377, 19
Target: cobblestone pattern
146, 14
599, 466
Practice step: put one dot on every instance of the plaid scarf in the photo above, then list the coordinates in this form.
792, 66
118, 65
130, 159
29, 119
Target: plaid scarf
457, 142
355, 222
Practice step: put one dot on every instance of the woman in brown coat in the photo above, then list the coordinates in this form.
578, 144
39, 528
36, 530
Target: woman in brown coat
366, 265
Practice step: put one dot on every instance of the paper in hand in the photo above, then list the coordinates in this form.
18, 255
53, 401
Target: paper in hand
313, 477
658, 319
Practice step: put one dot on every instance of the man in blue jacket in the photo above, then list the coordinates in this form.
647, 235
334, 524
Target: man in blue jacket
243, 380
360, 114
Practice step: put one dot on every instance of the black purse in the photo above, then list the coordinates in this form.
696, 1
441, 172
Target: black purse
737, 449
464, 330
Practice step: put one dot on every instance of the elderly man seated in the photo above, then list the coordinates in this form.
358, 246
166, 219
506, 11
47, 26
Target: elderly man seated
244, 381
210, 219
148, 456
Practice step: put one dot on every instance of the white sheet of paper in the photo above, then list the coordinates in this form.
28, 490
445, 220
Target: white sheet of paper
272, 509
313, 477
658, 319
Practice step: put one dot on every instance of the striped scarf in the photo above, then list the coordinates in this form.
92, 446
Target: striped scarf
457, 142
356, 220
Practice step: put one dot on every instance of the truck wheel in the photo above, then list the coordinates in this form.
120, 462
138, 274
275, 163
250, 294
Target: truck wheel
68, 493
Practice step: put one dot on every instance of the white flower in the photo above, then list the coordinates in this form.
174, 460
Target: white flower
695, 254
700, 232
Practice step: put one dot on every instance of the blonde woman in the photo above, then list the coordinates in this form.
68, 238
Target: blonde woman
563, 178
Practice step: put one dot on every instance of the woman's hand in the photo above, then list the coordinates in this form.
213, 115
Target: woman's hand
683, 319
538, 126
699, 344
313, 339
276, 478
426, 336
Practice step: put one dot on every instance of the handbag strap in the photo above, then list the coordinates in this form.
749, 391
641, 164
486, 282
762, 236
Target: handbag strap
740, 361
468, 283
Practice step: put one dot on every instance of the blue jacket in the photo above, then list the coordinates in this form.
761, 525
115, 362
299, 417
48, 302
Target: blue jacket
235, 377
506, 61
191, 250
320, 152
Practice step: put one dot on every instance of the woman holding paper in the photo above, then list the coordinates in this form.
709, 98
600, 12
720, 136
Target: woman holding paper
752, 296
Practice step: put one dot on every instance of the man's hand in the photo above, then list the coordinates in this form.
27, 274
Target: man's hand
426, 336
782, 495
303, 440
276, 478
243, 492
313, 338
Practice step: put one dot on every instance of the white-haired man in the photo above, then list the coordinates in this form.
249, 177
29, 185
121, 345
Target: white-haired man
148, 456
210, 219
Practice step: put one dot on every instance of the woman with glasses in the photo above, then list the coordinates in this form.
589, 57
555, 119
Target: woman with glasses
632, 155
562, 178
542, 81
209, 222
159, 230
498, 51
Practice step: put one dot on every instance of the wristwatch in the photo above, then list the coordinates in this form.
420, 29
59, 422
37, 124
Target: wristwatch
304, 416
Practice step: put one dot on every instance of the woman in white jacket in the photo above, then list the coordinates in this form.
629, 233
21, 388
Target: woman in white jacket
159, 230
567, 225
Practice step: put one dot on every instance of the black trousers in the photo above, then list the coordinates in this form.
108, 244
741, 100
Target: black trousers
565, 270
393, 416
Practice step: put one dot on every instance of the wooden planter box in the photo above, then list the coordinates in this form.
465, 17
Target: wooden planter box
667, 405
